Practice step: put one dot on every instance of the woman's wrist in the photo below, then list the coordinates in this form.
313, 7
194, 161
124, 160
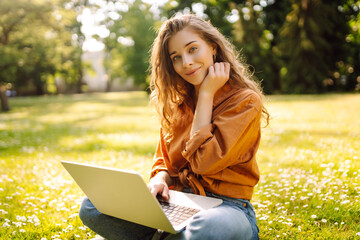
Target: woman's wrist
163, 176
206, 94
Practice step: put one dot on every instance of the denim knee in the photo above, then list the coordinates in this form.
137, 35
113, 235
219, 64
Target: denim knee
212, 226
87, 212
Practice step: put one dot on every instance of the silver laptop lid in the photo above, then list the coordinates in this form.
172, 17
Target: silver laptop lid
124, 194
121, 194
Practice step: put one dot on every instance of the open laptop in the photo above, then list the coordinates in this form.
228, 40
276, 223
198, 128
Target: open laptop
124, 194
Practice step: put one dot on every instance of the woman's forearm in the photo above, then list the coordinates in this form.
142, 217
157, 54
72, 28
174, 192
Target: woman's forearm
217, 76
203, 111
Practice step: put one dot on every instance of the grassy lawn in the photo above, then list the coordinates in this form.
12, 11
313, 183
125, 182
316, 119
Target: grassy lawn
309, 160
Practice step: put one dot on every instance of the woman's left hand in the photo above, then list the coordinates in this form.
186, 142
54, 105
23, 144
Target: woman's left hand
217, 76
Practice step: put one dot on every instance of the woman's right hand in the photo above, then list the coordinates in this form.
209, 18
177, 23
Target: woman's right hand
218, 75
158, 185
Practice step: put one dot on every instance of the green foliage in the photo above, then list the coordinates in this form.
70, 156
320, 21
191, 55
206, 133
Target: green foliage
248, 36
308, 159
129, 43
38, 41
304, 46
305, 38
293, 46
215, 11
274, 17
351, 66
23, 50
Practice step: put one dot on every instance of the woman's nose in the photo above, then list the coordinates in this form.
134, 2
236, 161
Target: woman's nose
187, 60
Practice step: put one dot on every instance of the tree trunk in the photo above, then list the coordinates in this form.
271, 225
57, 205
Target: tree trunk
3, 99
39, 89
108, 85
80, 81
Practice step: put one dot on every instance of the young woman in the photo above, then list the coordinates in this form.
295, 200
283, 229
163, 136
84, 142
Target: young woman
210, 110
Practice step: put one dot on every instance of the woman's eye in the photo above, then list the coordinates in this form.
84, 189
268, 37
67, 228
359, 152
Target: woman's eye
176, 58
192, 49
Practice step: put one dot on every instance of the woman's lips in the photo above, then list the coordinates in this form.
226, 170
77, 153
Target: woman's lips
192, 72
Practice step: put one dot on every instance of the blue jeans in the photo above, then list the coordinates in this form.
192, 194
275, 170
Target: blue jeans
233, 219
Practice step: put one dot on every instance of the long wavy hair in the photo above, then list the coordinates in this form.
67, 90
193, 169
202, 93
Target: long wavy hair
172, 95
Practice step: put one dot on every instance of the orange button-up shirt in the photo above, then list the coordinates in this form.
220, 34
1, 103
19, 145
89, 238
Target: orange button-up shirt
220, 157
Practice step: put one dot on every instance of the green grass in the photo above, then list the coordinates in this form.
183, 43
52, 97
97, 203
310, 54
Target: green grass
309, 161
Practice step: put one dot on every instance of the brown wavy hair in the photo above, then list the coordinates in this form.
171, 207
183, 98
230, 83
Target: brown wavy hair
173, 96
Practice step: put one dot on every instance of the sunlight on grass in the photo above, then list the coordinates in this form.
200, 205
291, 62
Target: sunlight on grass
308, 158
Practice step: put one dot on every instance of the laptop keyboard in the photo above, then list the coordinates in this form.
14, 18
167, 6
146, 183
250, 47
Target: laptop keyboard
176, 213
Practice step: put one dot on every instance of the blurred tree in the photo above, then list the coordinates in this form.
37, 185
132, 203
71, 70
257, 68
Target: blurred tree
38, 42
73, 69
294, 46
215, 11
131, 35
16, 18
243, 23
350, 67
310, 45
35, 61
249, 37
68, 38
274, 14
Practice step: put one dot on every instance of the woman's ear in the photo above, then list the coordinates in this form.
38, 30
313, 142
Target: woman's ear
214, 48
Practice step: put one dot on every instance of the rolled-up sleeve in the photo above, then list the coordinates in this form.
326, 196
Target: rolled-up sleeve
159, 158
199, 137
231, 138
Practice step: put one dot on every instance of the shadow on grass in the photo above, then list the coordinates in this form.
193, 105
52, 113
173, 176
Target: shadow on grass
44, 122
125, 99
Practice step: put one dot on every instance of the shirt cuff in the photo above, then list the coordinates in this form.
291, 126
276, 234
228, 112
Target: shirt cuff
196, 140
157, 170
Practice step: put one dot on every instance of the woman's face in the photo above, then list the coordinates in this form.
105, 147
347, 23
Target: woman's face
191, 56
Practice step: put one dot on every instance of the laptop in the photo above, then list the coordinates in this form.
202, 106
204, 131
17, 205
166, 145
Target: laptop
124, 194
